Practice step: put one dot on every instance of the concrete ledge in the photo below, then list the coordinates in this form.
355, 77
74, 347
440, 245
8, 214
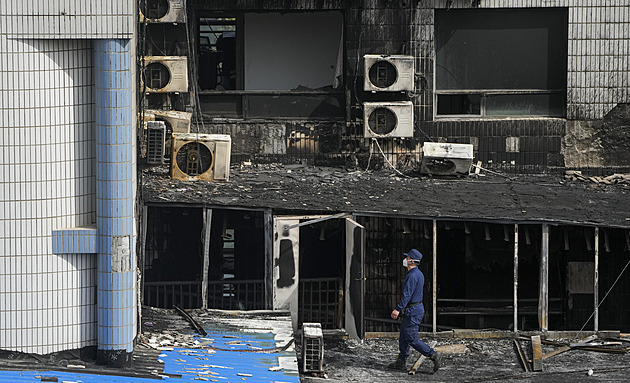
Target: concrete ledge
76, 240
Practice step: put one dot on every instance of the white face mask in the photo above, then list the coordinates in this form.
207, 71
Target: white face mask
405, 264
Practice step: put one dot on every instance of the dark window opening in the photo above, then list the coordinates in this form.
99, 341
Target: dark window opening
173, 257
322, 274
237, 260
217, 53
515, 60
459, 104
386, 241
614, 312
271, 65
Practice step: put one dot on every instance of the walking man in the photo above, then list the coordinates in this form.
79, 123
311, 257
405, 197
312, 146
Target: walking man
413, 309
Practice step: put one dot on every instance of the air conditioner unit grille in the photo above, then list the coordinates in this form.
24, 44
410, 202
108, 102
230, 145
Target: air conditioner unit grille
194, 158
156, 137
312, 347
388, 73
388, 119
162, 11
154, 9
199, 156
383, 74
158, 76
382, 121
165, 74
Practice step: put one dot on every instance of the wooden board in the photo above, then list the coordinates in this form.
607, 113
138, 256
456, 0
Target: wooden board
537, 353
420, 360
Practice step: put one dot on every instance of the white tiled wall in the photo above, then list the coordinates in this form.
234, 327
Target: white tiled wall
47, 301
77, 19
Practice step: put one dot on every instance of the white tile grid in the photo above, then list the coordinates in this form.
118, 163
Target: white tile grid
52, 202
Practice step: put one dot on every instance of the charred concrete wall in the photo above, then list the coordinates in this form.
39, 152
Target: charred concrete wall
328, 125
599, 143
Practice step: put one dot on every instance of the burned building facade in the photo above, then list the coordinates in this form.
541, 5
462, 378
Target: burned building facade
531, 86
247, 111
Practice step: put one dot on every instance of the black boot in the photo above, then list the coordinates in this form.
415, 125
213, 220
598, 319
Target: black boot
399, 364
437, 361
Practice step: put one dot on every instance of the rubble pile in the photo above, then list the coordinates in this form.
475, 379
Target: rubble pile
617, 178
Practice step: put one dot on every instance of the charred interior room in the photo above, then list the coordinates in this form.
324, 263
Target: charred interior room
478, 266
174, 264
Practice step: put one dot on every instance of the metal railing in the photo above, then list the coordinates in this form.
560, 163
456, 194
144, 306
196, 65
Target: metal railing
321, 301
185, 294
236, 295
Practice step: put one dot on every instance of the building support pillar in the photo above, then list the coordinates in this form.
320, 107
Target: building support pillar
543, 297
596, 282
434, 276
515, 277
114, 201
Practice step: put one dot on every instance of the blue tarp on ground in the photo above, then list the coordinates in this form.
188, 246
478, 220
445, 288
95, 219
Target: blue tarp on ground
242, 363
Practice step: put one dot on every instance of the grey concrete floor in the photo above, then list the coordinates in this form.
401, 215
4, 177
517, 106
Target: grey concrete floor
467, 360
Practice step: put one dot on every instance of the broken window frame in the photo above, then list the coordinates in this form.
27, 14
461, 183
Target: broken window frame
315, 104
481, 107
482, 110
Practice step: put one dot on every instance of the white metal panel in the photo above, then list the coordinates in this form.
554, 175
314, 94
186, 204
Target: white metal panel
286, 262
355, 281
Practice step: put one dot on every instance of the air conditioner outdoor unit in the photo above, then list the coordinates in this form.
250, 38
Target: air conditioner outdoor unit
383, 73
165, 74
156, 139
176, 121
388, 119
312, 347
203, 157
446, 158
162, 11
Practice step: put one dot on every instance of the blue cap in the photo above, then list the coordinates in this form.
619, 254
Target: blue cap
413, 254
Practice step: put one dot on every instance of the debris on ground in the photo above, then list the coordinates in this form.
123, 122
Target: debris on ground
476, 360
617, 178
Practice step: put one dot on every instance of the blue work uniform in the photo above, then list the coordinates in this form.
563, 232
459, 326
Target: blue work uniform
412, 293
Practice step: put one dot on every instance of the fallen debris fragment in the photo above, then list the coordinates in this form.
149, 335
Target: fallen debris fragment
521, 355
190, 319
537, 353
576, 175
452, 348
420, 360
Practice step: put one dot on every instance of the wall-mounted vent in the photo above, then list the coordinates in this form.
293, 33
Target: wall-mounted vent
388, 119
162, 11
156, 138
384, 73
446, 158
203, 157
165, 74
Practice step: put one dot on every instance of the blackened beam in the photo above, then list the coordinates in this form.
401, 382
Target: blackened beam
191, 320
286, 228
521, 355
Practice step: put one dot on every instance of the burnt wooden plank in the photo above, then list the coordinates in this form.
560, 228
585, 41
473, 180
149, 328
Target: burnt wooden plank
537, 353
420, 360
521, 355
